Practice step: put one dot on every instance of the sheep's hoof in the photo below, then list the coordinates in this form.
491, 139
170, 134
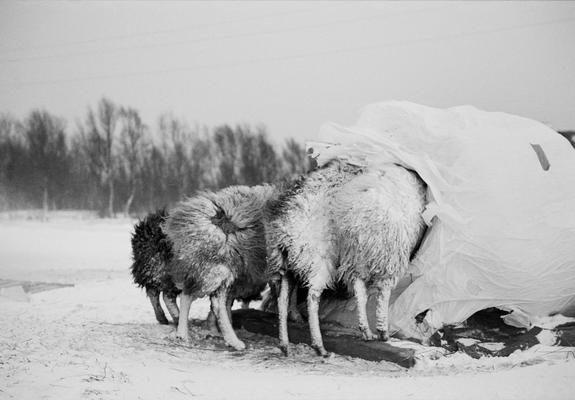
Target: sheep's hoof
163, 320
239, 345
321, 351
368, 335
327, 355
182, 337
383, 336
285, 349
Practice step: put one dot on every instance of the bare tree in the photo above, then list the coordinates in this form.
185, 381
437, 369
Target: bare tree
98, 137
46, 143
12, 158
113, 163
132, 147
177, 143
259, 161
205, 163
227, 144
296, 161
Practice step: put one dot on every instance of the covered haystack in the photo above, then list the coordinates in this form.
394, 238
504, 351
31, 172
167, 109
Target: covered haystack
500, 214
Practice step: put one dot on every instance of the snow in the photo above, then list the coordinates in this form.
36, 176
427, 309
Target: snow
99, 339
64, 249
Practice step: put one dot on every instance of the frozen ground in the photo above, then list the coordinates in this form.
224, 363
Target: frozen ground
99, 339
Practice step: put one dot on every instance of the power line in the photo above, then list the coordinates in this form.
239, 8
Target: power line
294, 56
216, 38
156, 32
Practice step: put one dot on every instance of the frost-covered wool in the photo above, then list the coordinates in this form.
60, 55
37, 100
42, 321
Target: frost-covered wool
219, 243
349, 225
297, 228
151, 253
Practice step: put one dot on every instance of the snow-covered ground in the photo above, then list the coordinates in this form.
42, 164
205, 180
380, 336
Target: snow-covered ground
99, 339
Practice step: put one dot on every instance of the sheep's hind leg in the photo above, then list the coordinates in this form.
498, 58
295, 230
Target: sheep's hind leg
186, 300
154, 296
218, 300
172, 306
361, 297
313, 298
283, 300
229, 304
382, 309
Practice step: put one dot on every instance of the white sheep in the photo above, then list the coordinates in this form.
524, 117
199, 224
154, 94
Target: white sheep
345, 224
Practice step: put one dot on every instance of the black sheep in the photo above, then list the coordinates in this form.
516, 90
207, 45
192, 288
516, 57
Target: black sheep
152, 252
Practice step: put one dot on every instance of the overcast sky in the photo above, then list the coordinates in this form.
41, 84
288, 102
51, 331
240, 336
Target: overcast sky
288, 65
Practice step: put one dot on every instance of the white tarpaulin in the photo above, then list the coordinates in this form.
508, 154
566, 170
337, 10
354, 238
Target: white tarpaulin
501, 208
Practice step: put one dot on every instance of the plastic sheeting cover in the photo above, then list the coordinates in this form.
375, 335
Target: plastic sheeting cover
501, 191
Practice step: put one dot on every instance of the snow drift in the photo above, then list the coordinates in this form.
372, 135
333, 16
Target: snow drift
500, 193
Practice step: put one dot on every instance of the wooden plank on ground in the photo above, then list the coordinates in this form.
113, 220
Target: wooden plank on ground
344, 344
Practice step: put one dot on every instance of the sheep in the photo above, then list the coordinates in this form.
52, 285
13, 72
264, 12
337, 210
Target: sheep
219, 243
151, 253
344, 224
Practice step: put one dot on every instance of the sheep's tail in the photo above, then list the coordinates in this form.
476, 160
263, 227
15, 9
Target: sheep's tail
203, 224
224, 221
191, 222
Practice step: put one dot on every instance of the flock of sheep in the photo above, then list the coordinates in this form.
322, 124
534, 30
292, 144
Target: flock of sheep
340, 224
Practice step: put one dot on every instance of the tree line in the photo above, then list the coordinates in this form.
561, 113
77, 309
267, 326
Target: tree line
113, 162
